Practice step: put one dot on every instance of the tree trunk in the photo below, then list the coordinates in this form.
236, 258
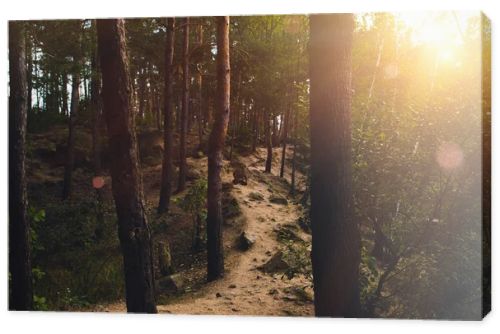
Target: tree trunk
29, 59
70, 149
185, 105
95, 95
336, 239
275, 133
167, 166
235, 117
133, 229
215, 250
294, 156
141, 92
269, 143
199, 80
65, 94
286, 115
255, 128
156, 106
21, 290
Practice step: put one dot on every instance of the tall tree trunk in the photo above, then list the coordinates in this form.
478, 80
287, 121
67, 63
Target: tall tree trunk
29, 59
255, 128
95, 96
185, 107
235, 117
167, 165
21, 297
215, 250
269, 142
141, 92
286, 115
208, 114
156, 106
38, 89
336, 239
85, 87
275, 132
133, 229
70, 149
65, 94
199, 80
294, 156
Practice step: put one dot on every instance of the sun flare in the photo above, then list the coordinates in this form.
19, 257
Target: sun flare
444, 29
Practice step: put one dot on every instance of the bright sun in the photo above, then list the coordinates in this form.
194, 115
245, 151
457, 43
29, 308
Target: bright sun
435, 28
442, 31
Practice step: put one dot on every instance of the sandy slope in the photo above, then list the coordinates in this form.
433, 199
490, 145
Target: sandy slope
245, 290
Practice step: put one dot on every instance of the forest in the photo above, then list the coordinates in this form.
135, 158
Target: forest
329, 165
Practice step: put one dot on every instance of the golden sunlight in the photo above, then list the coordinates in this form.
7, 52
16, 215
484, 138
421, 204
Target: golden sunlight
440, 29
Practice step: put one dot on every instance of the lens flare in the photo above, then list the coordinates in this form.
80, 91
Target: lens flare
98, 182
449, 156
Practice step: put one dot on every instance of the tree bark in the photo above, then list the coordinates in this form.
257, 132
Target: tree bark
64, 94
75, 100
29, 59
133, 229
199, 80
294, 156
215, 250
167, 165
286, 115
336, 239
255, 128
141, 92
95, 96
269, 143
235, 117
21, 290
185, 105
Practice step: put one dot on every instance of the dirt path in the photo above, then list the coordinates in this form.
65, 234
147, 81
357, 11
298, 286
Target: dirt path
245, 290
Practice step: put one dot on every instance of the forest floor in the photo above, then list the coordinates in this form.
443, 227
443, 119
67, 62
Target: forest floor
82, 268
245, 289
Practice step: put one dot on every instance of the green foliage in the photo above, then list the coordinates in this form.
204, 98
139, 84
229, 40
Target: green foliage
298, 257
36, 218
40, 303
405, 107
368, 275
76, 254
42, 121
195, 201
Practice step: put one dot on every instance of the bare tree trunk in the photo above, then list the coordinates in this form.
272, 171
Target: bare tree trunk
65, 94
234, 120
29, 59
157, 106
336, 239
70, 149
95, 95
269, 142
167, 165
294, 156
133, 229
284, 139
185, 108
141, 92
208, 115
255, 129
215, 250
21, 296
199, 80
274, 132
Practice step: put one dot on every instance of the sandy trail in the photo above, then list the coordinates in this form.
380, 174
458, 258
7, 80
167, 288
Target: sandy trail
245, 290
